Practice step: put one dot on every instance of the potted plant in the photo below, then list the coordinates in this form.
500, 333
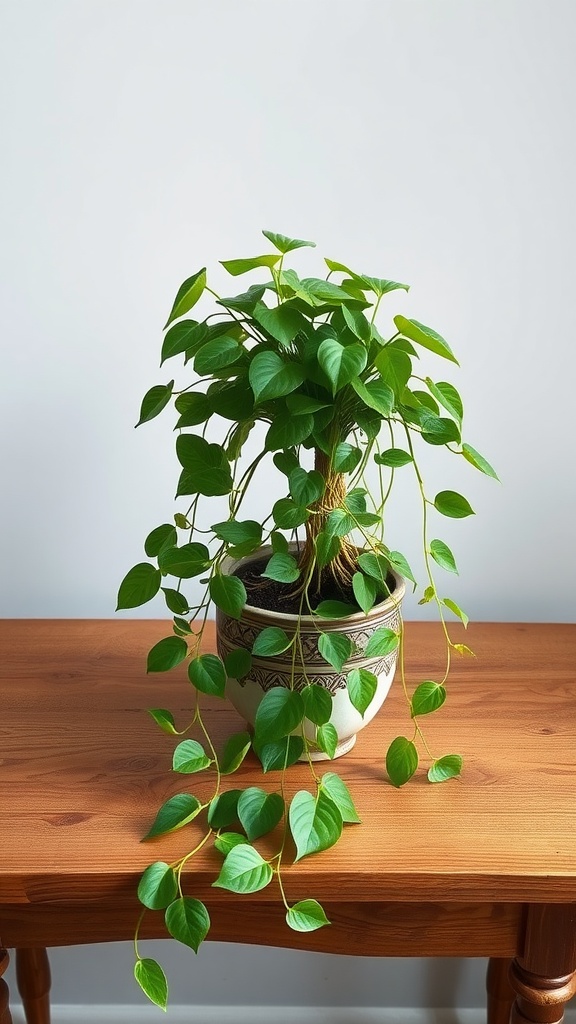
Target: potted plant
291, 376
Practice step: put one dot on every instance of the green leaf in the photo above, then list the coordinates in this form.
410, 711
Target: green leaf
401, 761
382, 642
226, 841
193, 409
234, 532
235, 750
166, 654
279, 543
357, 323
395, 369
376, 395
187, 296
282, 568
317, 703
206, 469
259, 812
447, 395
327, 547
154, 401
341, 362
428, 595
158, 886
428, 697
286, 462
190, 757
438, 429
238, 663
181, 521
305, 487
381, 286
139, 585
244, 870
176, 812
183, 337
299, 404
181, 627
175, 601
447, 767
399, 562
315, 823
237, 267
216, 354
442, 554
453, 505
162, 537
270, 641
288, 515
207, 673
272, 377
279, 754
245, 302
285, 244
327, 739
306, 916
164, 719
425, 336
184, 562
365, 591
287, 431
223, 809
282, 322
362, 686
335, 609
152, 981
339, 793
335, 648
228, 594
393, 457
478, 461
188, 921
280, 711
345, 458
233, 400
448, 603
374, 565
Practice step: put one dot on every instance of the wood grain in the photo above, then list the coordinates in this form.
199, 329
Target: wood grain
84, 768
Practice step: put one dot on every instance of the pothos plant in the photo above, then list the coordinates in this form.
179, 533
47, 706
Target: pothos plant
304, 357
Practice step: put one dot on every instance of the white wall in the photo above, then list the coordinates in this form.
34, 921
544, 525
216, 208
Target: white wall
430, 141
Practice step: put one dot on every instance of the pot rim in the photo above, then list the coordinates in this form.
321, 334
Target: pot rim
229, 564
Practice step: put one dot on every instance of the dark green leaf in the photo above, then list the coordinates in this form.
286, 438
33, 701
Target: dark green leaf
190, 757
339, 523
285, 244
443, 556
139, 585
339, 793
237, 267
425, 336
327, 739
306, 916
188, 921
259, 812
341, 362
175, 601
365, 591
453, 505
233, 400
164, 719
166, 654
447, 767
162, 537
428, 697
193, 409
279, 543
234, 532
206, 469
299, 404
245, 302
335, 609
305, 487
335, 648
179, 810
244, 871
238, 663
447, 395
280, 711
207, 674
315, 823
346, 457
183, 337
401, 761
393, 457
374, 565
158, 886
223, 809
282, 322
286, 462
282, 568
154, 401
272, 377
152, 981
317, 703
270, 641
288, 431
280, 754
217, 354
187, 296
439, 429
288, 515
376, 395
478, 461
327, 547
235, 750
184, 562
382, 642
362, 686
228, 594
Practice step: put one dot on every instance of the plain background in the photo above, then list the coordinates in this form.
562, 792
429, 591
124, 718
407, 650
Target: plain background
429, 141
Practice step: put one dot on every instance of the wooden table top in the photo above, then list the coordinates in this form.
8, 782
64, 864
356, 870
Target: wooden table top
83, 770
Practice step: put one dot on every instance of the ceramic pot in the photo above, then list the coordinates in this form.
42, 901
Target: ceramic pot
245, 694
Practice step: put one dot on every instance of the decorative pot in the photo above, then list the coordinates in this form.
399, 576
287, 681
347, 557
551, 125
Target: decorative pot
245, 694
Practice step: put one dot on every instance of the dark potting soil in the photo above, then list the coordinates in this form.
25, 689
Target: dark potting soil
279, 597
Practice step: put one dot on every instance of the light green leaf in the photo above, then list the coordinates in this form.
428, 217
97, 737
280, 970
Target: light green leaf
453, 505
327, 547
401, 761
393, 457
395, 369
428, 697
447, 395
270, 641
190, 757
425, 336
272, 377
228, 594
362, 686
234, 532
365, 591
282, 322
152, 981
448, 603
442, 554
184, 562
238, 663
244, 871
339, 793
376, 395
288, 515
374, 565
400, 563
381, 287
335, 648
282, 568
357, 323
478, 461
187, 296
448, 767
335, 609
280, 754
139, 585
345, 458
306, 916
280, 711
341, 362
259, 812
216, 354
285, 244
181, 521
306, 487
188, 921
174, 814
428, 595
382, 642
317, 703
315, 823
207, 673
226, 841
223, 809
235, 750
166, 654
154, 401
158, 886
164, 719
237, 267
327, 739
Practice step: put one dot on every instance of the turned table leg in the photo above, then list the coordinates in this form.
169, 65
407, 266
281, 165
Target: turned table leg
5, 1017
544, 977
33, 977
499, 990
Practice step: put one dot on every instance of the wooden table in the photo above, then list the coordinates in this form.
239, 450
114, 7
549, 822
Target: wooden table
482, 866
